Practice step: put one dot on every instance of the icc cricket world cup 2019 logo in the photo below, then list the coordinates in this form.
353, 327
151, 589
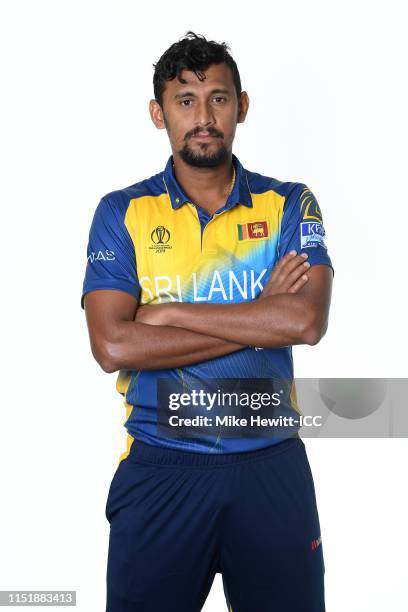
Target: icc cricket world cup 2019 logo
160, 237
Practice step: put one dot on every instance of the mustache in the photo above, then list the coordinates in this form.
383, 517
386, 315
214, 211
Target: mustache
197, 131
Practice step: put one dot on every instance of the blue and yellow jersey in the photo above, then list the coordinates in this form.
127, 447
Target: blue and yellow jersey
152, 242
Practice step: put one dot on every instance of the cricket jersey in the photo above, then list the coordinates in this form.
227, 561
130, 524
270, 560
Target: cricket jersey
152, 242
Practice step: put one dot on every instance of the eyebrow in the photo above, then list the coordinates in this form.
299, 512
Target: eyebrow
184, 94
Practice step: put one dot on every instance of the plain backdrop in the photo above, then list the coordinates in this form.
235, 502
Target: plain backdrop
327, 83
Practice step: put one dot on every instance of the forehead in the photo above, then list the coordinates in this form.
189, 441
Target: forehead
216, 75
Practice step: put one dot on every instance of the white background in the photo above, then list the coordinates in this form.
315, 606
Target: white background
328, 92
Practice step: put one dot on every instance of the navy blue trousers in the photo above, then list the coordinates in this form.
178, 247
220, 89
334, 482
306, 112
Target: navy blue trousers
177, 518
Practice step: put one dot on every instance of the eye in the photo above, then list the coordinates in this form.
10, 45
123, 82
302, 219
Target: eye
183, 102
219, 99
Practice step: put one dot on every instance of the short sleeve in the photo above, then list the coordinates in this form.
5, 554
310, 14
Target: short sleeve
302, 227
111, 259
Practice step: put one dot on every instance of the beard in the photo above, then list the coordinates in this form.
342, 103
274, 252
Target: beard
202, 158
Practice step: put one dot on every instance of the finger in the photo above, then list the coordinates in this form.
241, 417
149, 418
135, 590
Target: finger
293, 276
291, 271
280, 265
285, 259
301, 282
293, 263
290, 263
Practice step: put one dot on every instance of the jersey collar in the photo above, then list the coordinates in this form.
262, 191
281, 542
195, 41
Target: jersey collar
239, 195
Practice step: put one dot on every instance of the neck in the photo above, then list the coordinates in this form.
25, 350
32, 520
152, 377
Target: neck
208, 187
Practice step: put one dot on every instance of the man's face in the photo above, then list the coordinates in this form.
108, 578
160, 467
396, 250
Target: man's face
201, 116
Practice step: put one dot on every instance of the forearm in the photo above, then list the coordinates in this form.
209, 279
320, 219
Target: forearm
134, 345
279, 320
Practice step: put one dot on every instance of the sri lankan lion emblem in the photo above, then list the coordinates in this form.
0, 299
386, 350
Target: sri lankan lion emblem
258, 229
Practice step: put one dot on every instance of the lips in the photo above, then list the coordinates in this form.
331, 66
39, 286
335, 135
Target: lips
204, 135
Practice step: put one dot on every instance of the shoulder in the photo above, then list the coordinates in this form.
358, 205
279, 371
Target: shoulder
261, 183
118, 200
297, 195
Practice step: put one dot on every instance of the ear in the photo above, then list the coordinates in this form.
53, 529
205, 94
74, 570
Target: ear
156, 113
243, 105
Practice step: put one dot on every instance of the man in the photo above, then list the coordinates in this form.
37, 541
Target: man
194, 275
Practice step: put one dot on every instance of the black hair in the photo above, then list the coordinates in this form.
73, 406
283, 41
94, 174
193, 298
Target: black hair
192, 52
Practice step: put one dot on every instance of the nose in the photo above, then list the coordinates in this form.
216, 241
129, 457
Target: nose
204, 115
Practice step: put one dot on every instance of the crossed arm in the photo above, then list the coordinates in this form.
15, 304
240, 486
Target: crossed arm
292, 309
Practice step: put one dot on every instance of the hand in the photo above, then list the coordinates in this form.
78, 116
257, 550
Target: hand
153, 314
288, 276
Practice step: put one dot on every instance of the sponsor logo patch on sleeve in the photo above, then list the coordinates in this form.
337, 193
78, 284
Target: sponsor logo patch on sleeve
312, 234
